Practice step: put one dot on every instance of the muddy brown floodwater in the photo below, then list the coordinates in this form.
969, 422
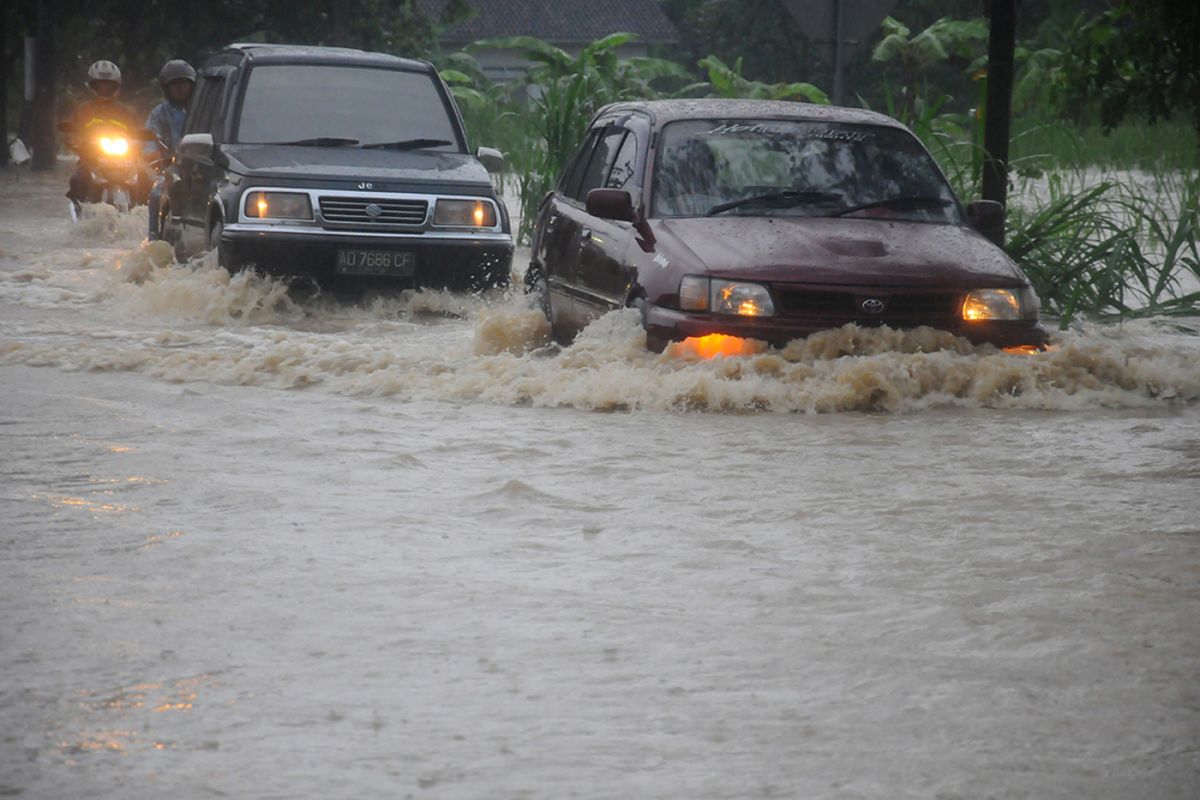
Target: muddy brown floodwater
259, 546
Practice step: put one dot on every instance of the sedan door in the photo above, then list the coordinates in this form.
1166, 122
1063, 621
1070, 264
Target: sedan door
604, 272
570, 279
559, 229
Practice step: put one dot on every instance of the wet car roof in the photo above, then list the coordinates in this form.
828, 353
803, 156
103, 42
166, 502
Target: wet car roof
302, 54
662, 111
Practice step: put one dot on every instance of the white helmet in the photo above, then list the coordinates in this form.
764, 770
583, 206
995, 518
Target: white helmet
103, 71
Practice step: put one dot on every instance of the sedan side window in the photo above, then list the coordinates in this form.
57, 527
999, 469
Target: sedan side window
602, 159
621, 176
574, 171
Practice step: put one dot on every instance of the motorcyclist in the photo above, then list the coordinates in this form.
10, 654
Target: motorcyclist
103, 112
177, 78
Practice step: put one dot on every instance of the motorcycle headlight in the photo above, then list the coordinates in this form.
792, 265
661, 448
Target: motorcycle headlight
465, 214
114, 145
744, 299
278, 205
982, 305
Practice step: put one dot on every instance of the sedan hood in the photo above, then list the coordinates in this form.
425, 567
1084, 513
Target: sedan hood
835, 250
353, 163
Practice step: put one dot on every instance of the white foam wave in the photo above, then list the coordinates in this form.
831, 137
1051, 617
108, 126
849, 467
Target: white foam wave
196, 322
848, 369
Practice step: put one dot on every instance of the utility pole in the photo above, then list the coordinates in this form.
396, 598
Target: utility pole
44, 141
5, 62
839, 49
1002, 40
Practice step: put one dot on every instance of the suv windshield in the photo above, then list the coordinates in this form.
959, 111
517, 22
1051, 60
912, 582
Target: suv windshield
353, 105
783, 167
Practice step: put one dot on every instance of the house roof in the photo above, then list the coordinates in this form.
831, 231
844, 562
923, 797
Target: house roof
557, 21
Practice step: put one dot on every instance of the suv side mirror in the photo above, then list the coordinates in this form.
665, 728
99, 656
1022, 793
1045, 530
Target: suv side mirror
611, 204
197, 146
491, 158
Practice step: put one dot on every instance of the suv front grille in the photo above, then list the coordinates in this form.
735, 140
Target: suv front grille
370, 213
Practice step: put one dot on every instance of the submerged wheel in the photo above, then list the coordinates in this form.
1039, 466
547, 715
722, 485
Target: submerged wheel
537, 285
214, 240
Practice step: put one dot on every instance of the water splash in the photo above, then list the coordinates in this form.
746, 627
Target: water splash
196, 322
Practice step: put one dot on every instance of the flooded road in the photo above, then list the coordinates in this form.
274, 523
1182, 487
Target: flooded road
257, 546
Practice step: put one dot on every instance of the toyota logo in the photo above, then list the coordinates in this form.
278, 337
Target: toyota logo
873, 306
373, 210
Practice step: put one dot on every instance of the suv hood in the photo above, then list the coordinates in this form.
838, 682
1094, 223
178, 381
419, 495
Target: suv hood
836, 251
354, 164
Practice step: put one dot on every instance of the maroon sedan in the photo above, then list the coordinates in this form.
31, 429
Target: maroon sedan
769, 220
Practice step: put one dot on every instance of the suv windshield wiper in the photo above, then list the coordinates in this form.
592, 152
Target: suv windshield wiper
406, 144
909, 200
784, 199
322, 141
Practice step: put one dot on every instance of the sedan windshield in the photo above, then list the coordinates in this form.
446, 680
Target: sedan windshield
791, 168
325, 106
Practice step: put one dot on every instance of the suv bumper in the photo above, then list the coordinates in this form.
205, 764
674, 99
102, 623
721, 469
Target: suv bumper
452, 262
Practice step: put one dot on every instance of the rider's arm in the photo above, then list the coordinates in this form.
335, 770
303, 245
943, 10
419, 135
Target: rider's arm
156, 121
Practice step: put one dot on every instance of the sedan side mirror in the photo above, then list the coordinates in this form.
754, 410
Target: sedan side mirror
987, 217
611, 204
491, 158
196, 146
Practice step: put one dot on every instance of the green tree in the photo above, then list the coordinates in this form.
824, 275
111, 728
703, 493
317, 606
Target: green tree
1142, 57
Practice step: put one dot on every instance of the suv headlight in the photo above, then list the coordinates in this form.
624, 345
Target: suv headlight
744, 299
982, 305
465, 214
278, 205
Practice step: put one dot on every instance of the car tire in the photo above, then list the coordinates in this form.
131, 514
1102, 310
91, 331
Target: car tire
214, 241
170, 234
535, 284
557, 332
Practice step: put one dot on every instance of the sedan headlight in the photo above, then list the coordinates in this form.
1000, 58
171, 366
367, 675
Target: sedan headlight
465, 214
744, 299
278, 205
982, 305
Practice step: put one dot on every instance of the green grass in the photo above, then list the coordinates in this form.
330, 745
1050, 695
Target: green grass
1173, 145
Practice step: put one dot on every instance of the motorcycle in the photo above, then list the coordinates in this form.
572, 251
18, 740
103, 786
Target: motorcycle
112, 167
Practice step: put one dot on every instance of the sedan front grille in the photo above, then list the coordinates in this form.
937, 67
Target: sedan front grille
368, 212
901, 309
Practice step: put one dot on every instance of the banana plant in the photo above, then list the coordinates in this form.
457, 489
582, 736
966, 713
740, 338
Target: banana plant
727, 81
945, 40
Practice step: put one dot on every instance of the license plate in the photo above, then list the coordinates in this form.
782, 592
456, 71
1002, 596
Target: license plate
377, 262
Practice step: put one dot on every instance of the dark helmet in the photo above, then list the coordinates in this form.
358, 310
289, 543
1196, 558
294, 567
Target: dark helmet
174, 70
104, 78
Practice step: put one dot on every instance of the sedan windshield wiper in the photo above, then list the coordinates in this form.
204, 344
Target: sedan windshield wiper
406, 144
784, 199
322, 141
909, 200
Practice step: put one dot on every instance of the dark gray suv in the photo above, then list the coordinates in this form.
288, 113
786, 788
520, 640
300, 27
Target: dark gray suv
337, 165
